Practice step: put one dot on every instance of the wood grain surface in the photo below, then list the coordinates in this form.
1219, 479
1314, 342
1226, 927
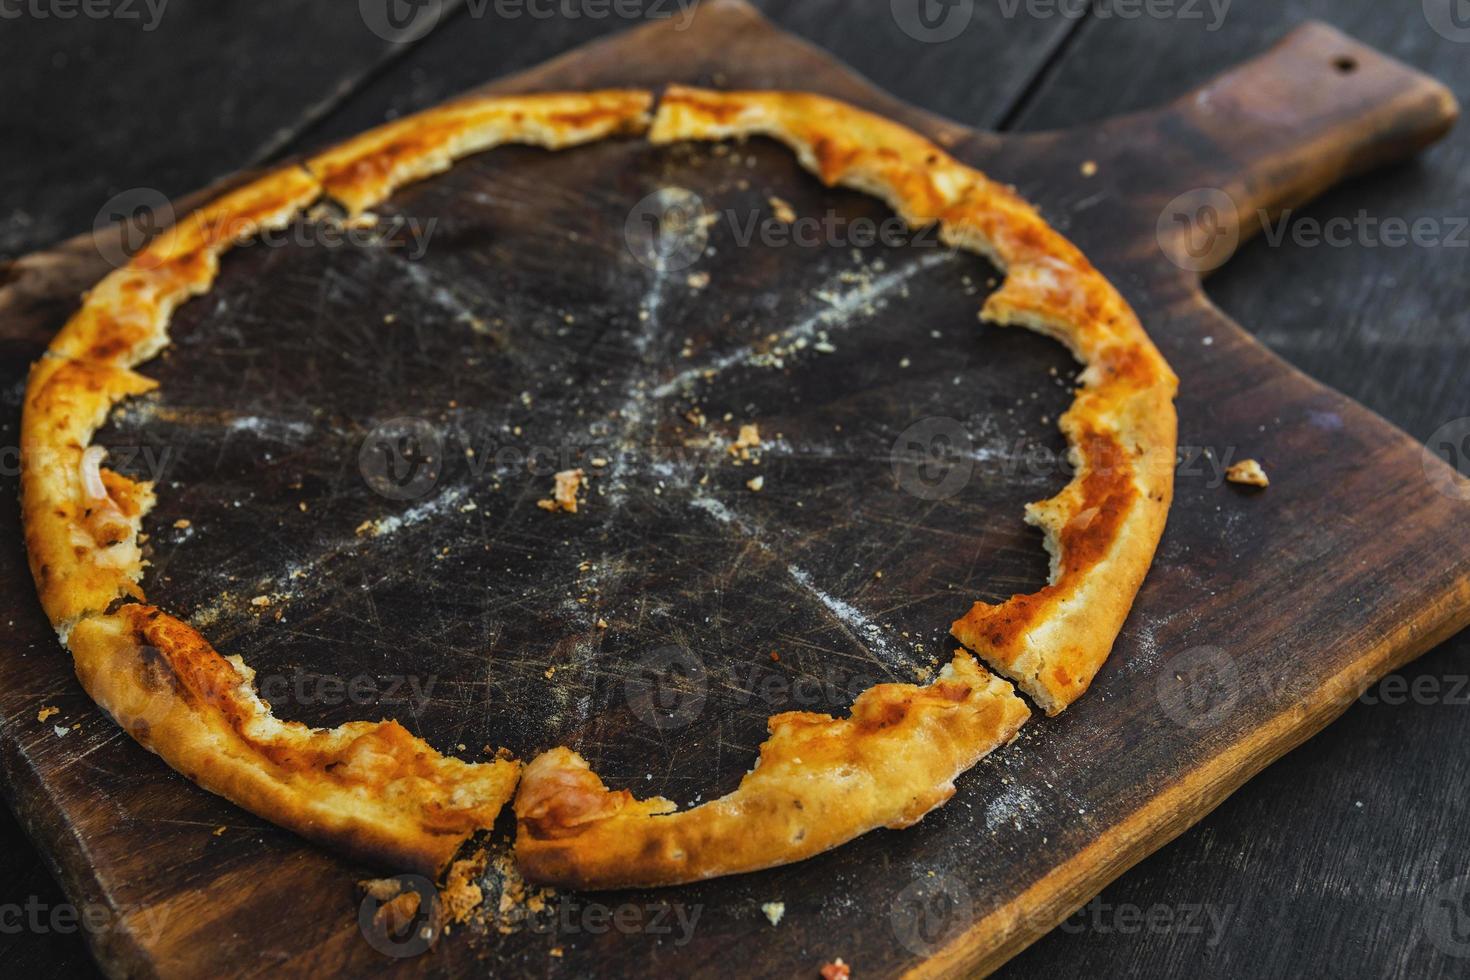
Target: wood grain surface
1377, 615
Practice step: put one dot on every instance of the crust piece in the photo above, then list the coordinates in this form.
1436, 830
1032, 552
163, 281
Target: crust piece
371, 789
124, 318
81, 521
820, 782
368, 788
366, 169
1102, 528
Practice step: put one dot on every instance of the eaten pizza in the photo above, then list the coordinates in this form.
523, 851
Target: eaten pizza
376, 791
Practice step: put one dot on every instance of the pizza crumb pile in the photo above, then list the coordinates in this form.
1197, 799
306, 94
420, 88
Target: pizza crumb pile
461, 893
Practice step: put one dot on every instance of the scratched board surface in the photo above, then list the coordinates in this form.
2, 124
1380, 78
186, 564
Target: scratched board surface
351, 441
355, 437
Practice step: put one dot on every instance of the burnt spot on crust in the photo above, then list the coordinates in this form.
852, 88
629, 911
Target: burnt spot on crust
1107, 492
886, 715
832, 160
1127, 365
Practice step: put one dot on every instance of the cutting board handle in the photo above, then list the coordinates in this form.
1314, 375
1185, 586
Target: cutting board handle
1282, 128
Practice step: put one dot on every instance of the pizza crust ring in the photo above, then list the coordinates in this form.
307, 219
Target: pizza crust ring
888, 764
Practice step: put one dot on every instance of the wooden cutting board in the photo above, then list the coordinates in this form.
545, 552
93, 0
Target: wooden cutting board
526, 330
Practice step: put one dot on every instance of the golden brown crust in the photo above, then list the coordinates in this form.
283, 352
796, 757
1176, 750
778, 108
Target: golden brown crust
367, 168
1102, 529
81, 533
820, 782
124, 318
838, 143
369, 788
374, 789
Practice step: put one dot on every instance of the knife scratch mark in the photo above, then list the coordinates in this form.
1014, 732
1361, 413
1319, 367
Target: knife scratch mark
844, 307
862, 630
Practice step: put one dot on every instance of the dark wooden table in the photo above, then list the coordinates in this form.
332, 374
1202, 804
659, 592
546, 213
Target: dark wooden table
1323, 865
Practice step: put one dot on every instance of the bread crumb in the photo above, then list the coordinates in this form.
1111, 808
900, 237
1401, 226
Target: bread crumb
748, 439
782, 210
756, 484
564, 494
261, 601
47, 712
697, 280
461, 894
1248, 472
380, 889
182, 523
774, 911
1089, 168
220, 830
601, 624
836, 970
